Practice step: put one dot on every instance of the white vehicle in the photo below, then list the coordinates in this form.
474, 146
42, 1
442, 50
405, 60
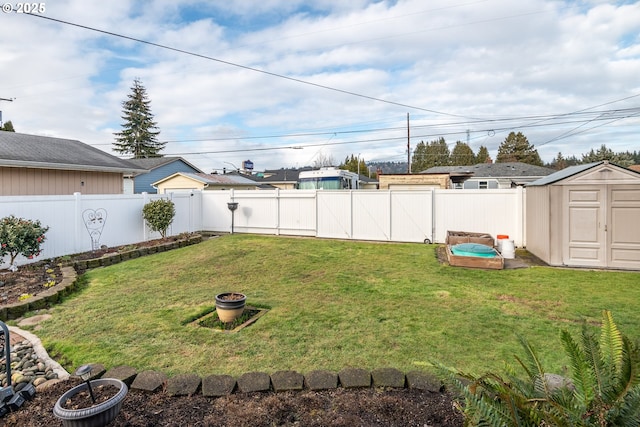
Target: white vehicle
328, 178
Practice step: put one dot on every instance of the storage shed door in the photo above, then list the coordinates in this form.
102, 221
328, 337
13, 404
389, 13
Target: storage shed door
624, 226
584, 226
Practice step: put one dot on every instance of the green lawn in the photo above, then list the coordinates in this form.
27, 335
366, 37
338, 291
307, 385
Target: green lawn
332, 304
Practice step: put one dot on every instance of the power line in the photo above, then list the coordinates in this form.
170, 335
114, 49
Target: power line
245, 67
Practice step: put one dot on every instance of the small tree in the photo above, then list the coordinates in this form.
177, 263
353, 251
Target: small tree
159, 215
20, 236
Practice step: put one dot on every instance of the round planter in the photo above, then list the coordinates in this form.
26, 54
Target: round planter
230, 306
95, 416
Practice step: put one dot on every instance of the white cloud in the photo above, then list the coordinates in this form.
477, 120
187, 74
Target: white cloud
482, 59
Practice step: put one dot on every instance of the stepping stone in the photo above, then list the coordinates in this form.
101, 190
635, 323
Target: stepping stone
354, 378
287, 381
254, 381
183, 385
423, 381
218, 385
149, 381
126, 374
34, 320
321, 380
388, 377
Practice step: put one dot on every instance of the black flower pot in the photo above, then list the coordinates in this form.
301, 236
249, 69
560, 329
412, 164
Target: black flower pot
96, 416
230, 306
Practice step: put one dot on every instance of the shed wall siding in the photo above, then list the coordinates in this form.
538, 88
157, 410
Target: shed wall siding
538, 227
33, 182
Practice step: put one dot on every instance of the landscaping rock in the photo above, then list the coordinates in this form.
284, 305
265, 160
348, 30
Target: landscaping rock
149, 381
287, 381
354, 377
126, 374
321, 380
34, 320
254, 381
423, 381
388, 377
218, 385
183, 385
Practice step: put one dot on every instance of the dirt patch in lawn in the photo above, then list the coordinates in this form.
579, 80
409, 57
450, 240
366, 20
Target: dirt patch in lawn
339, 407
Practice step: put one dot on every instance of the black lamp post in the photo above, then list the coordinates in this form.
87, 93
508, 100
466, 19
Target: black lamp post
232, 207
84, 372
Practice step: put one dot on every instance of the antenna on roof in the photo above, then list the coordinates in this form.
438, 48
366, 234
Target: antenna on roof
4, 99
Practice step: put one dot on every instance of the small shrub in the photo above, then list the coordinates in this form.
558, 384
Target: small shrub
603, 390
20, 236
159, 215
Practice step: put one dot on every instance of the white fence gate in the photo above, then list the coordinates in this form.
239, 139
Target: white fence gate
392, 215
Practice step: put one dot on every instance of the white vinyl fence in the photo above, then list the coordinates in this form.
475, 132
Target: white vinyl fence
78, 223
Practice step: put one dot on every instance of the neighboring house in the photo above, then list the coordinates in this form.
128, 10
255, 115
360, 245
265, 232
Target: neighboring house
408, 181
158, 168
284, 179
491, 175
42, 165
184, 182
635, 168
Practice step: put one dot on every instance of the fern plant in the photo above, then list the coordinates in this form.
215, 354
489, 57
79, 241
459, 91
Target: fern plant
603, 390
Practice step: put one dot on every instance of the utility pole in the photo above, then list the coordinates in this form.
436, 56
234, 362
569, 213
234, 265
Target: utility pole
408, 147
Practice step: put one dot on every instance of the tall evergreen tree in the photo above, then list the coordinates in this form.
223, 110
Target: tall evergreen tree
483, 155
462, 155
139, 135
516, 148
425, 156
604, 153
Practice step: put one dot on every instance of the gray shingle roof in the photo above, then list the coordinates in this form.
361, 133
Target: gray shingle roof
494, 170
155, 162
220, 178
34, 151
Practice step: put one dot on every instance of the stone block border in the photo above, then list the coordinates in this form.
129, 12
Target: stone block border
70, 273
261, 382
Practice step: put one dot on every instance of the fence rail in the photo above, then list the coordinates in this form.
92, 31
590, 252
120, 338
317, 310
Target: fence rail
79, 223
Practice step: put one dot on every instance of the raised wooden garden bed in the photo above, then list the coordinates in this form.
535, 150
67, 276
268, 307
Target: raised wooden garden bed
455, 237
494, 263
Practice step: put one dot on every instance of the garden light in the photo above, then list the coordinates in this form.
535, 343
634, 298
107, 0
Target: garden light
84, 372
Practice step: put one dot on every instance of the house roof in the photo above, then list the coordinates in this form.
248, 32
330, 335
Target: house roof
494, 170
151, 163
44, 152
571, 171
279, 175
212, 178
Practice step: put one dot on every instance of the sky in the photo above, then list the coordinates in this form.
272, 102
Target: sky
289, 83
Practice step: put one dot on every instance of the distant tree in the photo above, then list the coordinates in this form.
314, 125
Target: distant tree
462, 155
483, 155
516, 148
139, 135
323, 160
425, 156
604, 153
558, 163
353, 164
8, 126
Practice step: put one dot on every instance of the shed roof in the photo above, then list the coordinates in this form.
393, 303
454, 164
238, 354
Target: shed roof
574, 170
44, 152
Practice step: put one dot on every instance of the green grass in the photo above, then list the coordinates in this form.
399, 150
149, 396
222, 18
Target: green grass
332, 304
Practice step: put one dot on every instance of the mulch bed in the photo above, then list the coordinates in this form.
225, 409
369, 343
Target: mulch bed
339, 407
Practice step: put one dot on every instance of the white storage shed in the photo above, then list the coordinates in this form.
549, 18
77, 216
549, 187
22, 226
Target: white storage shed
585, 216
